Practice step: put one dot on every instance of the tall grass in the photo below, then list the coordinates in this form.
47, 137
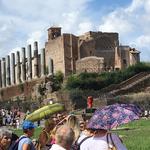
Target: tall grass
138, 135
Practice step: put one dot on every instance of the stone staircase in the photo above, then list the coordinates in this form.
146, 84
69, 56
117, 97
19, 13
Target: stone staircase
132, 84
126, 82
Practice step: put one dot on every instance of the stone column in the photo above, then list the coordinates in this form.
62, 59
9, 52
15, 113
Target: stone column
43, 65
0, 75
23, 67
29, 67
3, 72
79, 46
50, 67
71, 54
35, 59
117, 65
13, 77
8, 81
18, 69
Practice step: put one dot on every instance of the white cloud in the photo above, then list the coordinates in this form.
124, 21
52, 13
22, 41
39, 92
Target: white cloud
116, 22
135, 5
35, 36
69, 21
22, 22
132, 23
84, 27
143, 41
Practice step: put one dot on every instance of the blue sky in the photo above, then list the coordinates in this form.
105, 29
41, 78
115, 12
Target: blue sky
24, 21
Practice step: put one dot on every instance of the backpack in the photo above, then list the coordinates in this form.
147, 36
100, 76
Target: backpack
15, 145
76, 145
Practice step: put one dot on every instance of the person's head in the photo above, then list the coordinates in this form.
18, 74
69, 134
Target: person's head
28, 128
49, 125
98, 131
82, 125
59, 117
5, 137
55, 120
73, 122
64, 136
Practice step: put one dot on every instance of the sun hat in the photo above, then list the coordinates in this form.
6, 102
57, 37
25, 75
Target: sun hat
27, 124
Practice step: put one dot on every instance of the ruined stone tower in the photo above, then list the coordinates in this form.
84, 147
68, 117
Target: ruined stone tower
66, 51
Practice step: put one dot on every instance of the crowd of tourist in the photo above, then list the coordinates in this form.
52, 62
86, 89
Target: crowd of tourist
10, 118
60, 132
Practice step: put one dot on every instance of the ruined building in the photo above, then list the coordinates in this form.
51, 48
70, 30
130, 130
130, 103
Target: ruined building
68, 53
92, 52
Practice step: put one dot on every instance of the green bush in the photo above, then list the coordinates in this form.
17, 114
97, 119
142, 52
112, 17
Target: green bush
57, 80
97, 81
78, 98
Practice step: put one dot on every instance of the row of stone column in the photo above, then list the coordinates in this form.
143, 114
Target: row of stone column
17, 71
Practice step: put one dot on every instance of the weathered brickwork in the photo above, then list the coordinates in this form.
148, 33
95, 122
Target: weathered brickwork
90, 64
24, 89
68, 53
66, 49
55, 49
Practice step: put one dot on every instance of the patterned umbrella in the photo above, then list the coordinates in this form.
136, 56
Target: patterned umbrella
112, 116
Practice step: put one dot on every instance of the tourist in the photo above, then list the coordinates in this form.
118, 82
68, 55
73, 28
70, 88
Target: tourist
14, 137
26, 143
146, 114
73, 122
101, 140
85, 132
64, 138
82, 125
44, 141
5, 138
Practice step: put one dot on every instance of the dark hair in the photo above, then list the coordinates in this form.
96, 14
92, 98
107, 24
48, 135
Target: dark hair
97, 130
26, 130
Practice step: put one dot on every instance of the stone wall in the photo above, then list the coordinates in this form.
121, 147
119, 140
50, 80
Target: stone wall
70, 53
54, 49
64, 52
66, 49
23, 89
101, 45
90, 64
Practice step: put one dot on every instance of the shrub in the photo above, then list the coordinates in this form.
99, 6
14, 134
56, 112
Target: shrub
98, 81
78, 99
58, 80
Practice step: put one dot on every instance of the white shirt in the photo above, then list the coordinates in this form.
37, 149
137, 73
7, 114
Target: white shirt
57, 147
100, 143
82, 136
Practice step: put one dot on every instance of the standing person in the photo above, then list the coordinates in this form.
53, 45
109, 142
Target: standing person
102, 140
14, 138
5, 138
64, 138
73, 122
44, 141
26, 143
90, 102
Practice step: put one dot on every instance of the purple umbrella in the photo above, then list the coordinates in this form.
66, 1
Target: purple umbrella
112, 116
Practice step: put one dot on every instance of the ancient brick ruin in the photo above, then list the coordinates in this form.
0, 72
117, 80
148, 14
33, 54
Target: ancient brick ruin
67, 49
68, 53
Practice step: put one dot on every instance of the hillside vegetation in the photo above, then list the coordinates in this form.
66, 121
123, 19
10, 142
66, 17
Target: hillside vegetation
80, 86
96, 81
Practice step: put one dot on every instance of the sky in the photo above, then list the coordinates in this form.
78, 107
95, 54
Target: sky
24, 21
